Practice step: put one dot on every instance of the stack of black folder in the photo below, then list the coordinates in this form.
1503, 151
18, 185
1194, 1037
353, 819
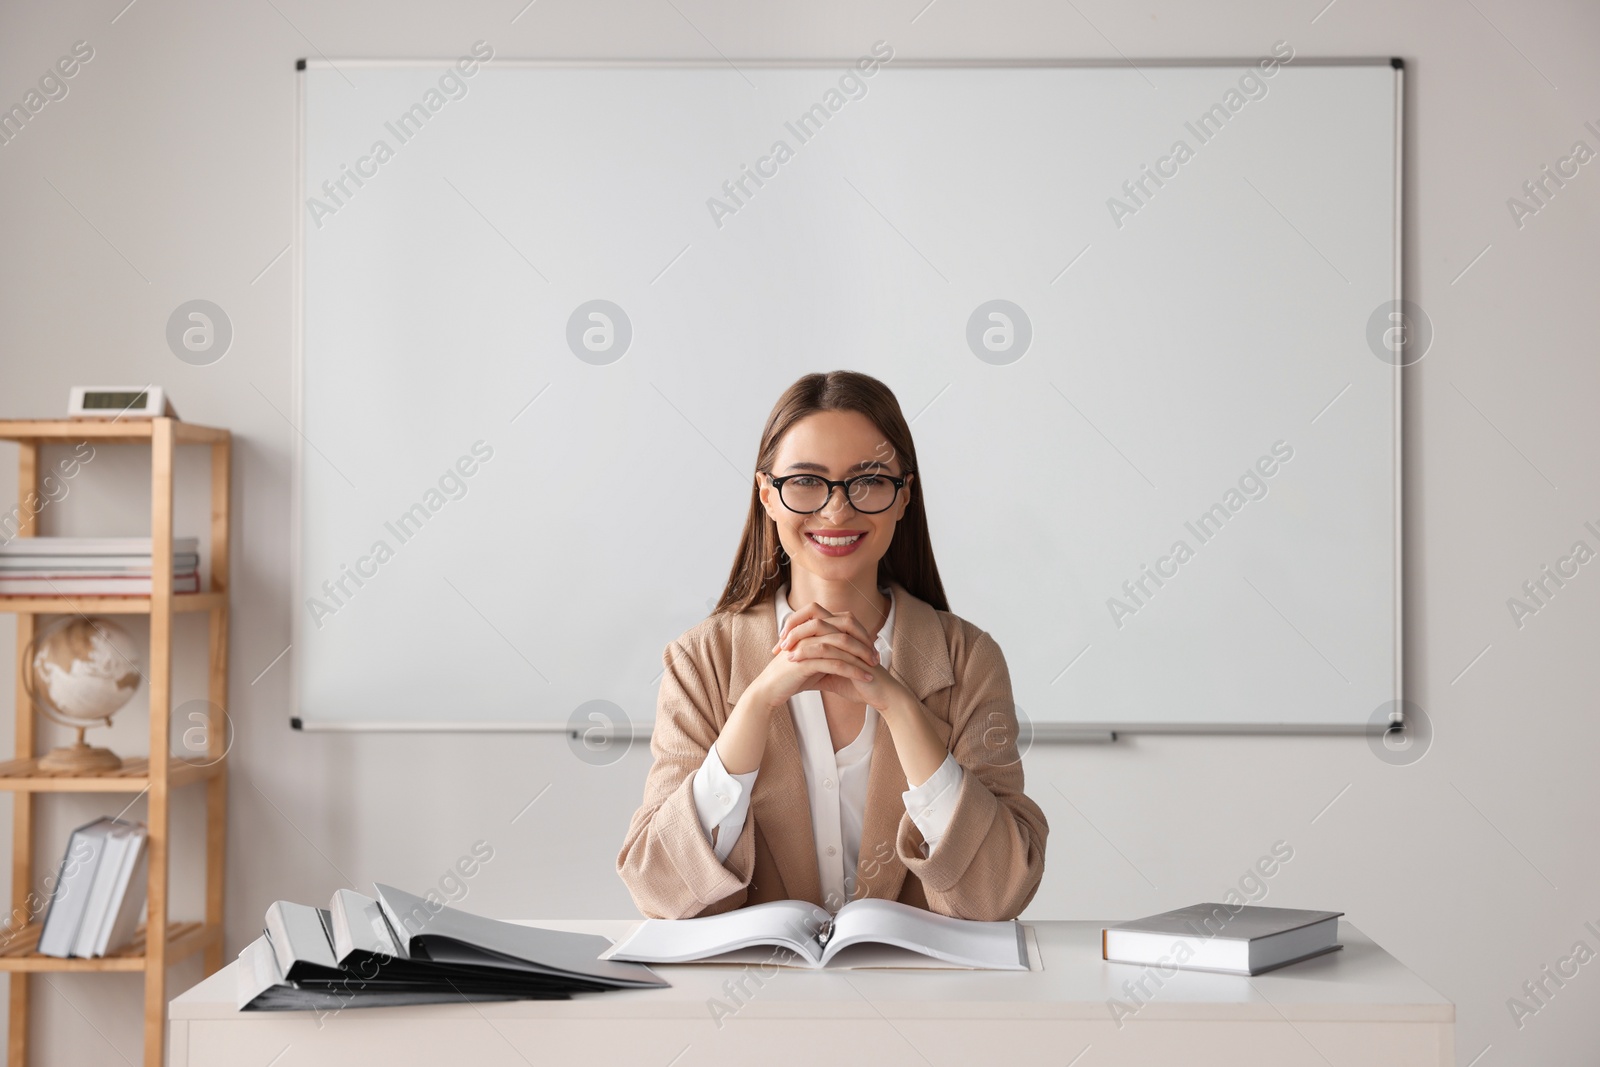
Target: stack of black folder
403, 949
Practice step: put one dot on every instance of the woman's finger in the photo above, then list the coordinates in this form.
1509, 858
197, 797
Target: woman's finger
834, 643
791, 634
816, 628
847, 621
819, 616
840, 667
813, 611
801, 616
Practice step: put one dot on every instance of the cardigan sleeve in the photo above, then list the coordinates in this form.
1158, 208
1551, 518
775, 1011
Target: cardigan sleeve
666, 860
990, 860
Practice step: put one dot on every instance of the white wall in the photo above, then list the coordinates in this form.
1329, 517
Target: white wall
166, 174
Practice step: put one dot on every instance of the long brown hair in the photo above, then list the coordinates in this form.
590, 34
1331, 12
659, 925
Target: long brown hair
761, 565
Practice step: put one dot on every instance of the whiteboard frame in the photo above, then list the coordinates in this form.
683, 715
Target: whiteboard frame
1044, 732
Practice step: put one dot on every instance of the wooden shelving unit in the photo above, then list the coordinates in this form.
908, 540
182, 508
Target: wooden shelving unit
161, 941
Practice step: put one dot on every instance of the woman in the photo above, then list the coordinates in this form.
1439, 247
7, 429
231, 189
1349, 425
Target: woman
792, 723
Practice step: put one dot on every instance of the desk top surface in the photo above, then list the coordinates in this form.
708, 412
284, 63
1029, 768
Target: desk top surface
1360, 982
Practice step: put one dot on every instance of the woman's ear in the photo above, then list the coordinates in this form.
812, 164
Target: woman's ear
764, 492
905, 499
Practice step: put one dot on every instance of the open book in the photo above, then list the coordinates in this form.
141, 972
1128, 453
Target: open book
817, 937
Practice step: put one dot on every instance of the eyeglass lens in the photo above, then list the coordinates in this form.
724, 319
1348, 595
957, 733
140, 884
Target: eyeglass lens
868, 493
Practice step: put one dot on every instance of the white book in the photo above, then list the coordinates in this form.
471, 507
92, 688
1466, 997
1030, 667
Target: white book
93, 546
127, 902
70, 895
98, 585
117, 850
1241, 939
817, 937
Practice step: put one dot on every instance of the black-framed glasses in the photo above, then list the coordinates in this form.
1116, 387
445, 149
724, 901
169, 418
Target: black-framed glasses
867, 493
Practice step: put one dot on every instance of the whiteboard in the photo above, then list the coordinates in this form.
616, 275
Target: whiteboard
580, 504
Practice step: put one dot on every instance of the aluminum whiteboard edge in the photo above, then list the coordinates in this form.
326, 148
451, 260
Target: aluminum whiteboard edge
1241, 61
1042, 732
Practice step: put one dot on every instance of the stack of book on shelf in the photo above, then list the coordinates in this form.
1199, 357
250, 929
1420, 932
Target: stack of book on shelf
403, 949
99, 890
92, 566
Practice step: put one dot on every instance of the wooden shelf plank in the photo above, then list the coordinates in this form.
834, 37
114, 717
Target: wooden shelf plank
192, 433
115, 432
24, 775
19, 949
108, 605
119, 431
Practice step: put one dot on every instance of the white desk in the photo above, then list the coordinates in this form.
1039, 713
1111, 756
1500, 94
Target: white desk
1358, 1007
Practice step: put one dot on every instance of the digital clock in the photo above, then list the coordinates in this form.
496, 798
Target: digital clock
119, 402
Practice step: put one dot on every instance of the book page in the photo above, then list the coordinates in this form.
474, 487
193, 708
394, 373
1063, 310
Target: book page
964, 942
792, 924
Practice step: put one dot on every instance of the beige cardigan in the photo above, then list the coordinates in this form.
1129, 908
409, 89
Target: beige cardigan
989, 862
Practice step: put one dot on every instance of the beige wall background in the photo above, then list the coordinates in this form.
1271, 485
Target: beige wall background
165, 174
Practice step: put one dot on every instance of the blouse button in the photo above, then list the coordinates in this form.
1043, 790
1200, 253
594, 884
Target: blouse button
831, 850
827, 783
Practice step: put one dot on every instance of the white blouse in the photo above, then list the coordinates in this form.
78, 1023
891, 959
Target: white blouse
835, 781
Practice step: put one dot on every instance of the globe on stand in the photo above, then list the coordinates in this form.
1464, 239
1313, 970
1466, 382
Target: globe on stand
76, 674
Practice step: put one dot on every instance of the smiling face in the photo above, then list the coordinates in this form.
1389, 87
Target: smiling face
836, 445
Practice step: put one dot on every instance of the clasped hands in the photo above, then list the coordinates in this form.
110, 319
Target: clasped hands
818, 649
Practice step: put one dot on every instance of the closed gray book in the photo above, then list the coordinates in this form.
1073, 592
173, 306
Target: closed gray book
36, 564
1242, 939
94, 546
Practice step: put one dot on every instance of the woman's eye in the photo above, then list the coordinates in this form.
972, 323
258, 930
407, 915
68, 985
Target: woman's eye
806, 482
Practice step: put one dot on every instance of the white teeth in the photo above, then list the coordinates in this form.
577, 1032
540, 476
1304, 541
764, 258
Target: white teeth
835, 542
